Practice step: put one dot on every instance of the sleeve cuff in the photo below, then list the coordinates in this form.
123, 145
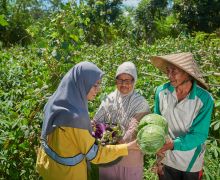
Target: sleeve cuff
176, 144
122, 149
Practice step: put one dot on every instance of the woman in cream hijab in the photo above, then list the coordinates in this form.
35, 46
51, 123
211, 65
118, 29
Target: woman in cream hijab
126, 107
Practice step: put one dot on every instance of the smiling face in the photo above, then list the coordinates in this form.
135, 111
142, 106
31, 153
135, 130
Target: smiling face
94, 91
176, 75
125, 83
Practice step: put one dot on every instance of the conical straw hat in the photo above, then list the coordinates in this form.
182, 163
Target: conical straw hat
184, 61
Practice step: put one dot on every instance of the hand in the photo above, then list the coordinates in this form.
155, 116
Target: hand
158, 166
121, 141
93, 122
158, 169
167, 146
133, 145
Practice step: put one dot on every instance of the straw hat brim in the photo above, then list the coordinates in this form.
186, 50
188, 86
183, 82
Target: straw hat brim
161, 63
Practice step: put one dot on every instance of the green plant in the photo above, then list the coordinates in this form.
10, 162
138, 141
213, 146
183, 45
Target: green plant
30, 75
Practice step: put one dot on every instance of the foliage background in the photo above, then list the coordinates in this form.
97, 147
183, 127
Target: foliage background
54, 38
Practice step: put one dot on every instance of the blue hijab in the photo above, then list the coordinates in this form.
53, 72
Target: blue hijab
68, 106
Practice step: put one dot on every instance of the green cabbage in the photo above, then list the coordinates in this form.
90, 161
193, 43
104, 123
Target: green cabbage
154, 119
152, 133
151, 138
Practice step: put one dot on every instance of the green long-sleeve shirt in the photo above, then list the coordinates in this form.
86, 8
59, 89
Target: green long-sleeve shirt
188, 121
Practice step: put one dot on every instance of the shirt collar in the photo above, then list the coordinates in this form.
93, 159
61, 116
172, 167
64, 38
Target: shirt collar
170, 88
192, 93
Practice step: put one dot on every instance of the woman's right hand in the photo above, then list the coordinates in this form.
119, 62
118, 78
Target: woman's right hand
133, 145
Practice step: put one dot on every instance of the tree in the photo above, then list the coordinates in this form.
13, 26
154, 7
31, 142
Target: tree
148, 11
19, 15
199, 15
102, 16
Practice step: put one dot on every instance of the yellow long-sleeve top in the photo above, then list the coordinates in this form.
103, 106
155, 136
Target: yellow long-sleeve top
68, 142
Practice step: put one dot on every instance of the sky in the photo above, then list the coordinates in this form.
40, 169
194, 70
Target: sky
131, 2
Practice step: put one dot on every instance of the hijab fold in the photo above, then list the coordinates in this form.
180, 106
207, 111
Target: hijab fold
68, 106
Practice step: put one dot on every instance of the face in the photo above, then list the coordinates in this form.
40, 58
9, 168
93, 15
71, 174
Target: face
94, 91
176, 75
125, 83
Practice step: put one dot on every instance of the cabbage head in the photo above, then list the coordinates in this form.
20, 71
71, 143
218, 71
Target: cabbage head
153, 119
151, 138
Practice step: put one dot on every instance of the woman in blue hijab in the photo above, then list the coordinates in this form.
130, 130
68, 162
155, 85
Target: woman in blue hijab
66, 140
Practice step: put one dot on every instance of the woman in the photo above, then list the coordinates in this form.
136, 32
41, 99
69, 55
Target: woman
187, 106
66, 133
126, 107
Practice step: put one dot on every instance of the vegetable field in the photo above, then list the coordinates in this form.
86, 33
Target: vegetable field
37, 52
28, 78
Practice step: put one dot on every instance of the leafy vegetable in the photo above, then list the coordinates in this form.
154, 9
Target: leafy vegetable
151, 138
152, 132
98, 130
154, 119
107, 133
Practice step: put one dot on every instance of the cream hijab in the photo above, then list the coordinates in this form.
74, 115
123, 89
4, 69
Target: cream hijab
118, 107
